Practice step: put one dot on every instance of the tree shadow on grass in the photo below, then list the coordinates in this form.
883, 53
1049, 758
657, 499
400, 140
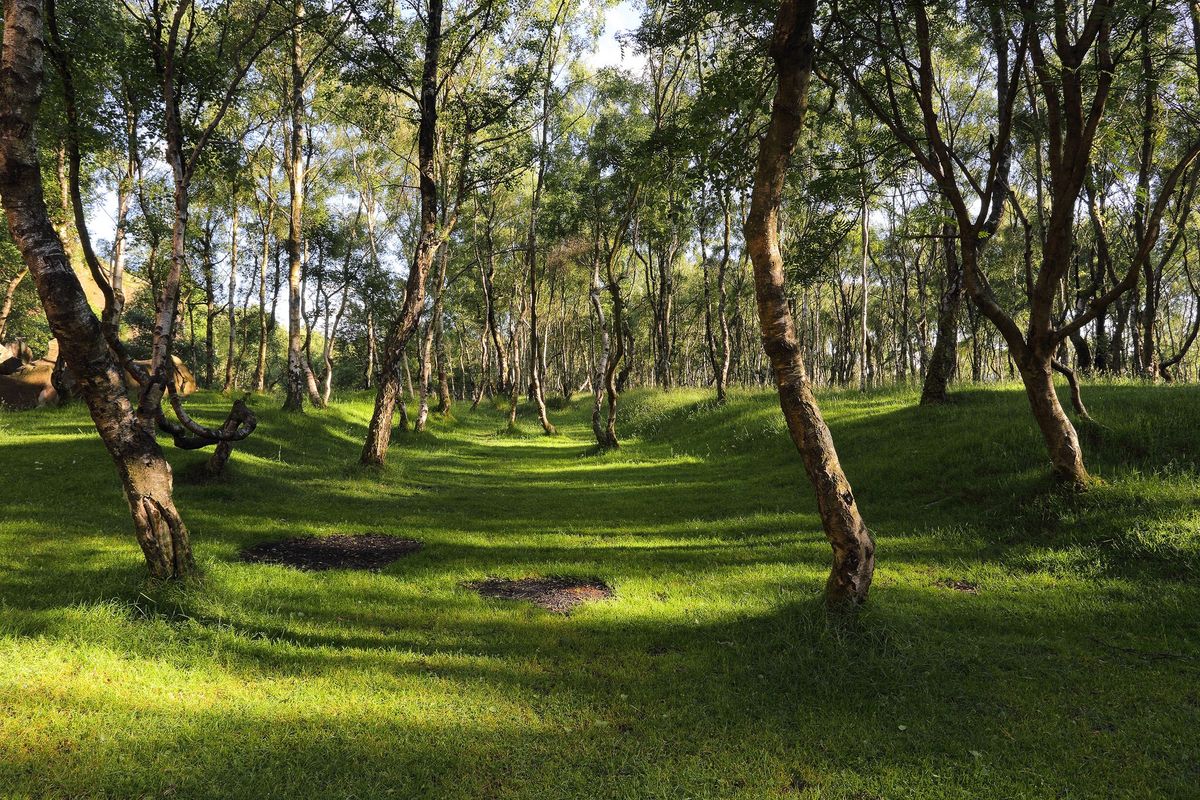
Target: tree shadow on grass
520, 703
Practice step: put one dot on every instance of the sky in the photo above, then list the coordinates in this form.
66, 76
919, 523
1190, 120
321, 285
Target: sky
621, 18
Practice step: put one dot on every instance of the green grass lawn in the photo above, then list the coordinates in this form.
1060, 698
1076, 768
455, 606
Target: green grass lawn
1073, 672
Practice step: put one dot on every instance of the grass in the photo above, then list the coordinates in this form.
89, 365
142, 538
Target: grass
1072, 673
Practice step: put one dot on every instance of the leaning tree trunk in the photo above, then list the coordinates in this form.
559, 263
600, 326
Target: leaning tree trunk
945, 348
853, 548
379, 431
238, 415
144, 472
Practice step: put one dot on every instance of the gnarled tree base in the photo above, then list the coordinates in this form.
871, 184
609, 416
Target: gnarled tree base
1062, 442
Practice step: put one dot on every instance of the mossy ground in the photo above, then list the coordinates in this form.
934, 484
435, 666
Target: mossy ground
713, 673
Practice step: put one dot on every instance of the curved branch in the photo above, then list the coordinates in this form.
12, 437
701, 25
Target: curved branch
1076, 397
247, 422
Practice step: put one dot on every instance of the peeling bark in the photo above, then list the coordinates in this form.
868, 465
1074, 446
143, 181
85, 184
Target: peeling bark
792, 49
144, 472
379, 432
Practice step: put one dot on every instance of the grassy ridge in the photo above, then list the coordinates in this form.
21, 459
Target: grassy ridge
1072, 672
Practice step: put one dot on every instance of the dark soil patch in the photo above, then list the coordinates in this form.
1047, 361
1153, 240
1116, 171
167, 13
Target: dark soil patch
554, 593
362, 551
959, 586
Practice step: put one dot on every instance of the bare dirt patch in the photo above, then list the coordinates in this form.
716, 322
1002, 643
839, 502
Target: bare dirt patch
959, 586
369, 551
555, 593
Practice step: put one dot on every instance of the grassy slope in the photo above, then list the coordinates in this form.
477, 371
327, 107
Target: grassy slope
1073, 672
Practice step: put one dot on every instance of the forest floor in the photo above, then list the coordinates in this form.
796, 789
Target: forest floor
1019, 642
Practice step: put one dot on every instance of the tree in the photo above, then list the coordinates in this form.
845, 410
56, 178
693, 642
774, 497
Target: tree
300, 380
129, 437
379, 432
792, 47
1072, 72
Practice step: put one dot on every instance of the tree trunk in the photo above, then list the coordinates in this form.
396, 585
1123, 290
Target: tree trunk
215, 466
306, 360
331, 333
144, 472
439, 337
601, 366
379, 432
1165, 368
944, 359
535, 360
722, 373
613, 383
427, 352
536, 365
853, 549
1062, 443
294, 400
445, 400
621, 328
664, 319
481, 387
1149, 347
718, 349
230, 372
424, 370
487, 277
210, 301
710, 339
9, 293
369, 367
866, 289
260, 364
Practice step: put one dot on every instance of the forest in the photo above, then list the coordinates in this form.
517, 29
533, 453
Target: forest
596, 398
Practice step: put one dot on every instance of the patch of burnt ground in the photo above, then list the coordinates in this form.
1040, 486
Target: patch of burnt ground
554, 593
967, 587
368, 551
